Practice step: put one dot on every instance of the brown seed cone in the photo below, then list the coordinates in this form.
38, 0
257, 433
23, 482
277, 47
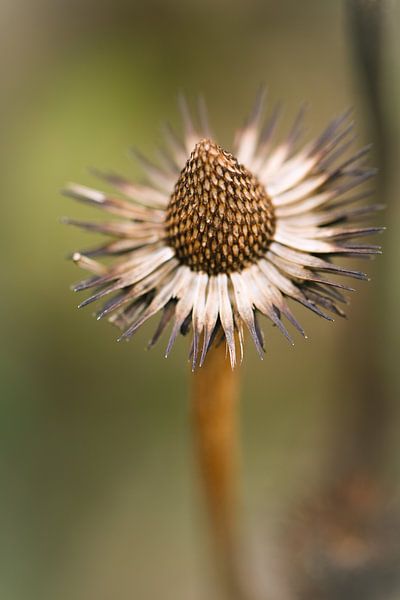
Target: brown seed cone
220, 219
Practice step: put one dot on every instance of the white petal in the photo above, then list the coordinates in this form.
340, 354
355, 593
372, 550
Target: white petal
199, 312
122, 229
283, 236
303, 190
244, 303
123, 279
267, 298
210, 316
291, 173
143, 194
305, 206
156, 279
274, 163
287, 287
151, 263
186, 293
226, 315
309, 260
276, 278
116, 206
163, 296
297, 271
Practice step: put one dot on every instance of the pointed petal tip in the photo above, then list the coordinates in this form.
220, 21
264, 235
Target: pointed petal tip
78, 287
361, 276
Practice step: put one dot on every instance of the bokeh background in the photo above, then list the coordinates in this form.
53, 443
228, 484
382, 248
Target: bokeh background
99, 492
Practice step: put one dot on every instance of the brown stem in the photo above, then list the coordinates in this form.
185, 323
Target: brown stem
215, 400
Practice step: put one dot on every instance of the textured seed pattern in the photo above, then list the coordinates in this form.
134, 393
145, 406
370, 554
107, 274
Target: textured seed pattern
219, 218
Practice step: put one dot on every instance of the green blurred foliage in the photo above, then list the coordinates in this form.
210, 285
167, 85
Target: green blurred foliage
99, 494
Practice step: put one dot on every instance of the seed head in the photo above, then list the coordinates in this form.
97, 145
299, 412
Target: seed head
217, 238
219, 218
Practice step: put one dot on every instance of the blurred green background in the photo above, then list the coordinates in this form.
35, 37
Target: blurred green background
99, 493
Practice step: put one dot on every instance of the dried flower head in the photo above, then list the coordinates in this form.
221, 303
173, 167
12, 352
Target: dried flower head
214, 238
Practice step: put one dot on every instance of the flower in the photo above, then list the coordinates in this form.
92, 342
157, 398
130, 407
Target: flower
213, 238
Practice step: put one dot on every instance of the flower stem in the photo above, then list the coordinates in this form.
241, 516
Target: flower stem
215, 402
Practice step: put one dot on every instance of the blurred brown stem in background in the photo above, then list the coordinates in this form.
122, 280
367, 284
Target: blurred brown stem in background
362, 362
344, 544
215, 404
367, 34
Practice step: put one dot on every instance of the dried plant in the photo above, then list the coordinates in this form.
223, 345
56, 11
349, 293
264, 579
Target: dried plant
212, 240
216, 238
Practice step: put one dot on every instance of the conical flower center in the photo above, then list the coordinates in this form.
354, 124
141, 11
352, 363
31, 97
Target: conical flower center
219, 218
